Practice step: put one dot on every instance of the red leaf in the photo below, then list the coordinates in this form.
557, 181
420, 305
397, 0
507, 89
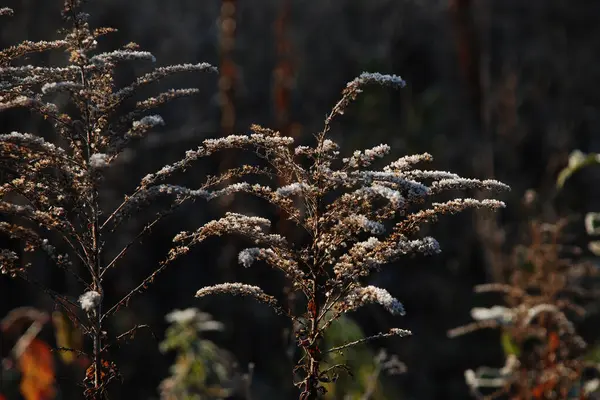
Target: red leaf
37, 368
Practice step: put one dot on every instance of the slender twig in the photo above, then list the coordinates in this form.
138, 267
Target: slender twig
399, 332
144, 231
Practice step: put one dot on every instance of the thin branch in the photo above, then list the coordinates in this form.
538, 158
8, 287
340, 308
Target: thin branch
129, 335
144, 231
393, 332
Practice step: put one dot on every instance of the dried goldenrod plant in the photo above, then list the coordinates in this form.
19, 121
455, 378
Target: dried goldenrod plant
49, 196
355, 220
547, 288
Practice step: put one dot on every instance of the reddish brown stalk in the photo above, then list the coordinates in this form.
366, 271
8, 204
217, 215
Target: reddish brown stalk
228, 76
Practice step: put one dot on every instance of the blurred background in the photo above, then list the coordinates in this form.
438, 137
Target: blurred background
502, 89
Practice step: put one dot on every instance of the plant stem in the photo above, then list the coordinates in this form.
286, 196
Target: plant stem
311, 386
94, 266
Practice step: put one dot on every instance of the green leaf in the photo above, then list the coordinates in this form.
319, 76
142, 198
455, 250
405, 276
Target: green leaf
509, 346
577, 160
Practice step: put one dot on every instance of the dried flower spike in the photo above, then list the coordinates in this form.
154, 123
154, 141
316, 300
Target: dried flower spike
50, 195
342, 204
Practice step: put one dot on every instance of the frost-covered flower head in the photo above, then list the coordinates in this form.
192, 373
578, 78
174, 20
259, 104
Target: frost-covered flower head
98, 160
537, 304
52, 201
90, 300
359, 212
202, 321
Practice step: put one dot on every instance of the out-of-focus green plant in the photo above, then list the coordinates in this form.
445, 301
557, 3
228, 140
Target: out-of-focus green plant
367, 366
546, 291
201, 370
577, 161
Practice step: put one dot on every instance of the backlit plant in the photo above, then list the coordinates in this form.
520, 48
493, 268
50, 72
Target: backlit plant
354, 219
49, 195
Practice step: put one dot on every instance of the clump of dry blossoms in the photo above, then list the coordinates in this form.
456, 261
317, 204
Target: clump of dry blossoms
545, 291
356, 220
49, 195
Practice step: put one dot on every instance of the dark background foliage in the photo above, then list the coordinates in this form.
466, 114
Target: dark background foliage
503, 89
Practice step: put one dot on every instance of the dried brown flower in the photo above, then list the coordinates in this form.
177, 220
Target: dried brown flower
545, 290
357, 220
50, 195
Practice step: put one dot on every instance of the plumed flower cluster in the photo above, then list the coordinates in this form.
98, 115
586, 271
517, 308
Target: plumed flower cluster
358, 218
90, 301
360, 296
49, 195
546, 289
47, 176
